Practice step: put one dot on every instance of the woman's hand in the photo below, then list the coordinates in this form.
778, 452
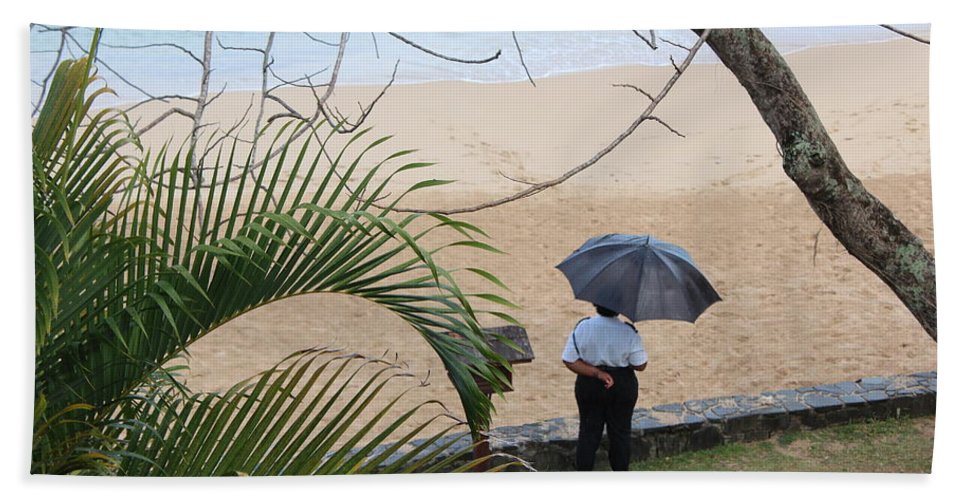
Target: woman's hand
582, 368
606, 378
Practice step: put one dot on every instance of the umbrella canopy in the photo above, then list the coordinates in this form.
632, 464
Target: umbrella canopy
641, 277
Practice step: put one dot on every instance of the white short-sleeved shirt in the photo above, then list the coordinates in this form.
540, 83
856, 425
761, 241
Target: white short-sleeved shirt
604, 341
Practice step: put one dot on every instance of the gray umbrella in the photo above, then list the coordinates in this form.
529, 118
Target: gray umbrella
641, 277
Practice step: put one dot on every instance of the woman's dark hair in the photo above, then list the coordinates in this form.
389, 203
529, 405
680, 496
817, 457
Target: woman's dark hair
604, 311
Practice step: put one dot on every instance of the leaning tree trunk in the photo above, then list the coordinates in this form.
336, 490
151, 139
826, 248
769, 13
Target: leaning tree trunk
867, 229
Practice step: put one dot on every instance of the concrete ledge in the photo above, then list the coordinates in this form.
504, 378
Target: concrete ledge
669, 429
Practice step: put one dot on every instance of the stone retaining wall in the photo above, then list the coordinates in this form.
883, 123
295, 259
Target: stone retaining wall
695, 425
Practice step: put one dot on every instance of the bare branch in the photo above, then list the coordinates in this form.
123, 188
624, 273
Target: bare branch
906, 34
669, 42
294, 83
266, 63
219, 94
279, 116
343, 40
320, 40
441, 56
308, 124
152, 45
540, 187
162, 98
343, 125
649, 40
196, 174
101, 62
290, 109
521, 55
202, 98
375, 45
257, 132
47, 29
228, 133
163, 116
513, 179
71, 52
229, 47
670, 129
630, 86
677, 69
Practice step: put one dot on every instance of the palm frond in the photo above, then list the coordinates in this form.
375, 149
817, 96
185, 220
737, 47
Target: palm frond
137, 258
281, 423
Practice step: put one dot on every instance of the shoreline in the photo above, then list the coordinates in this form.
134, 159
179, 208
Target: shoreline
479, 134
558, 74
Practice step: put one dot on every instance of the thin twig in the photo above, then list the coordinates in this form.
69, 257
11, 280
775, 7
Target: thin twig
906, 34
669, 42
162, 98
290, 110
163, 116
445, 57
219, 94
514, 179
101, 62
241, 122
639, 90
672, 59
308, 124
650, 40
669, 127
294, 83
538, 188
320, 40
521, 55
343, 40
375, 45
151, 45
47, 29
279, 116
343, 124
242, 49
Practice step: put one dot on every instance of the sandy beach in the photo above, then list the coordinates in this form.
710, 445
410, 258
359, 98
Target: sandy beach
797, 310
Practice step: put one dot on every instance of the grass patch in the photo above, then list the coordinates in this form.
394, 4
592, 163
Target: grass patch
896, 445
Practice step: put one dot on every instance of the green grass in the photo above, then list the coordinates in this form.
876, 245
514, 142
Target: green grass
900, 445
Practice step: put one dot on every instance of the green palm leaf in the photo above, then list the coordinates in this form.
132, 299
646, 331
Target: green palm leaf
278, 423
136, 260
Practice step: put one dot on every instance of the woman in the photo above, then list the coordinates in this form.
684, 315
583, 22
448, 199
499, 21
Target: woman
605, 352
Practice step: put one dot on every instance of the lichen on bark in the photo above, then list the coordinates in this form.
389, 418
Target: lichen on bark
865, 227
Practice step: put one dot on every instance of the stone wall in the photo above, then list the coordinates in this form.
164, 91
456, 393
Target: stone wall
695, 425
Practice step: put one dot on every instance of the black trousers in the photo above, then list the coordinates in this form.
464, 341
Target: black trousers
600, 407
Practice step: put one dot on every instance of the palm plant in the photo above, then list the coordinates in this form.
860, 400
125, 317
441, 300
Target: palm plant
136, 259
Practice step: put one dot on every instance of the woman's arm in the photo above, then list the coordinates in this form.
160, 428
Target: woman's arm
581, 368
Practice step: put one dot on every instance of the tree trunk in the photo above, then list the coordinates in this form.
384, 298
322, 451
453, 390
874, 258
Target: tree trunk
866, 227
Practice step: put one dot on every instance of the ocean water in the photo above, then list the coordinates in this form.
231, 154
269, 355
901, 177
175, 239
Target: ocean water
371, 57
